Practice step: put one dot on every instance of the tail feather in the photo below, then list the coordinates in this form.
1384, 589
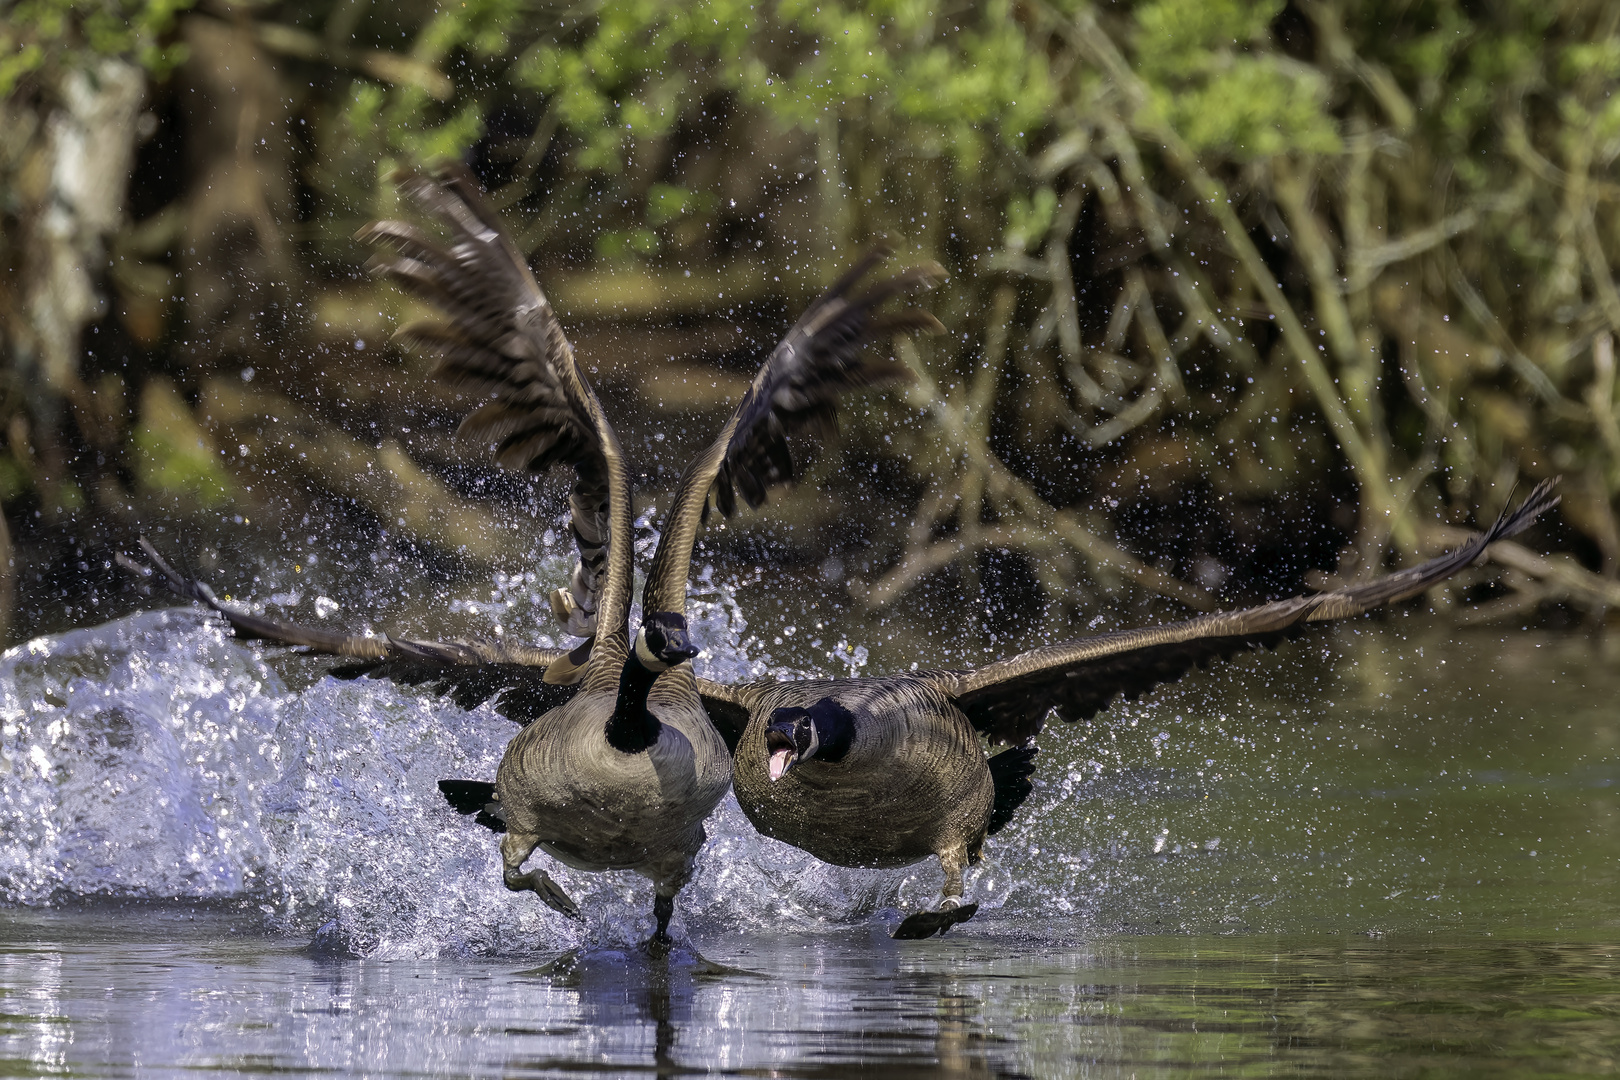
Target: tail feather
475, 797
1010, 771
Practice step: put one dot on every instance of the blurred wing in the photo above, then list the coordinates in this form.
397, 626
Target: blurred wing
823, 356
504, 341
520, 691
1009, 700
248, 626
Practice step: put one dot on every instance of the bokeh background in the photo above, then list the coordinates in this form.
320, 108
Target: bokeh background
1245, 296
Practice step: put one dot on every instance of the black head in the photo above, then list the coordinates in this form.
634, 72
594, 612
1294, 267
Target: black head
790, 739
663, 641
824, 731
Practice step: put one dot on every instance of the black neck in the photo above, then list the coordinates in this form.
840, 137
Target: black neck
632, 729
835, 729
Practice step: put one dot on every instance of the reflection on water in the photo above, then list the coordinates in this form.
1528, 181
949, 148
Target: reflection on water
1382, 852
98, 990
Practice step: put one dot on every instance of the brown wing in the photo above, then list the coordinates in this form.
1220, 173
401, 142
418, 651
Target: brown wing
1009, 700
520, 690
822, 357
469, 672
251, 627
728, 708
503, 340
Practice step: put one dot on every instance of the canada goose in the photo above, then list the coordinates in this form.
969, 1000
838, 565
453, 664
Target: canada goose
621, 774
886, 771
882, 771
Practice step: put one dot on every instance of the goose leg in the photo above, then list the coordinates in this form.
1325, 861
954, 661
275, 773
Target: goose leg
951, 909
669, 877
663, 909
515, 848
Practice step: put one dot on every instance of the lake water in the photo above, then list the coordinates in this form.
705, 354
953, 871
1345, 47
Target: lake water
1382, 851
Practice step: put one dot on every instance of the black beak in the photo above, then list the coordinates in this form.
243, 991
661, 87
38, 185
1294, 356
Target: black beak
678, 646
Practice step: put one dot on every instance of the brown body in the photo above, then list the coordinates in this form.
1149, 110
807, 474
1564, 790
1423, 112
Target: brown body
563, 788
913, 785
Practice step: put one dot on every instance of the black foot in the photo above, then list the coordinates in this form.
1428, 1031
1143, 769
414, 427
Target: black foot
928, 923
539, 882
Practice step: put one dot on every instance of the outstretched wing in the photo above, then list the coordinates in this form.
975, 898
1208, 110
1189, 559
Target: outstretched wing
1009, 700
822, 357
520, 691
251, 627
503, 340
468, 672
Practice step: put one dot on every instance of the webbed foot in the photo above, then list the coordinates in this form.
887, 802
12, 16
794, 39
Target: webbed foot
928, 923
539, 882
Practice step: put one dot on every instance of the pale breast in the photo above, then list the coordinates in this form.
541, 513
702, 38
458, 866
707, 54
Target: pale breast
597, 808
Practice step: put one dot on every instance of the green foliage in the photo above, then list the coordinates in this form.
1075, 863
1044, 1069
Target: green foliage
956, 85
172, 454
13, 480
438, 142
36, 33
1028, 219
616, 245
1216, 83
27, 58
667, 203
1435, 178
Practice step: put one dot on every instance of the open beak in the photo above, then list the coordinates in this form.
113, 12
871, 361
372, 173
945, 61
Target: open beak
781, 762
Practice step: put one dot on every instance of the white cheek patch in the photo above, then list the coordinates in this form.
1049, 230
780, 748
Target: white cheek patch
815, 742
645, 655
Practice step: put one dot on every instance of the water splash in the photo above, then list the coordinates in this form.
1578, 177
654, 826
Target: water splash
156, 757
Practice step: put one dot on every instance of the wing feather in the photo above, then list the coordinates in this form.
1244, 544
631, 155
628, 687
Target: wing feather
469, 672
728, 708
519, 691
823, 356
1009, 700
820, 359
503, 339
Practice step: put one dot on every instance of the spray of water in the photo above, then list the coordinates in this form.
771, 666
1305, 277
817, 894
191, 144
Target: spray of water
156, 757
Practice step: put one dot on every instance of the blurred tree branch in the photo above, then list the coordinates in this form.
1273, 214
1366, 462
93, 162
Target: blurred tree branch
1213, 265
